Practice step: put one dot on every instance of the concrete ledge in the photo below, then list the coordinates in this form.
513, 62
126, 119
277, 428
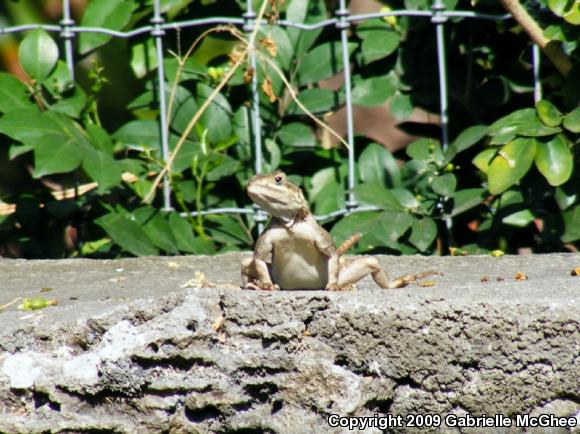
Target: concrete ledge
130, 348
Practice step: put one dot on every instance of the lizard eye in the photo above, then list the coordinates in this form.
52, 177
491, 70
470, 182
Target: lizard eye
278, 179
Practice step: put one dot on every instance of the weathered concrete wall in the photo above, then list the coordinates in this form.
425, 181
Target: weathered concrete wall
129, 349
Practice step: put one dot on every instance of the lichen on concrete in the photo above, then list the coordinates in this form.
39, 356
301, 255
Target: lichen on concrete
132, 348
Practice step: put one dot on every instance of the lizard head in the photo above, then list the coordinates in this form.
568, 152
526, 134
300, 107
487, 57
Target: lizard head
277, 195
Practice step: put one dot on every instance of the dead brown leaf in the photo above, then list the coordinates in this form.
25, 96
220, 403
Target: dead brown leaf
248, 74
269, 45
269, 90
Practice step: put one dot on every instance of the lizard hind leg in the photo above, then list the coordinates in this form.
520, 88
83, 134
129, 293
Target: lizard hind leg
358, 268
248, 271
251, 278
351, 271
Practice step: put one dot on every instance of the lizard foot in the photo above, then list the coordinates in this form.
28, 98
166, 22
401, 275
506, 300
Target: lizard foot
336, 287
403, 281
264, 287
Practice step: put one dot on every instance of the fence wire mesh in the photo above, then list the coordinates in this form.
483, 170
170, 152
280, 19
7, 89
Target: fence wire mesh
158, 28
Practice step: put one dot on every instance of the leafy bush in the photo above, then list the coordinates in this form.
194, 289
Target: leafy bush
521, 191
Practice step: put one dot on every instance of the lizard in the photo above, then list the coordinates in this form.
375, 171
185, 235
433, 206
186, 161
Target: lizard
295, 252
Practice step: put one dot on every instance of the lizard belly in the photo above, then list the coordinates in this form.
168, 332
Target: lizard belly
297, 264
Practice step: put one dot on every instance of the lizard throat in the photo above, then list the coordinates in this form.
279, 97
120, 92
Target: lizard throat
296, 218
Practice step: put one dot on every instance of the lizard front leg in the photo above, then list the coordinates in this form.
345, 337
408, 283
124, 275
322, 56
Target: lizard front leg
256, 271
325, 245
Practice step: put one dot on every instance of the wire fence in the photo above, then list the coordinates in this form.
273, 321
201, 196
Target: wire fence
342, 20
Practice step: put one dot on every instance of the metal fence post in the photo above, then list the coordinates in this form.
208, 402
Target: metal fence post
536, 58
439, 20
67, 34
342, 13
158, 33
256, 127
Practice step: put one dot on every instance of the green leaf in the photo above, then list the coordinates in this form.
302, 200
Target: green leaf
426, 150
444, 185
227, 229
348, 225
38, 54
241, 127
557, 6
318, 101
156, 228
535, 128
466, 199
330, 197
279, 35
191, 70
73, 102
377, 195
509, 198
173, 7
13, 94
378, 44
375, 163
182, 110
143, 57
378, 229
566, 195
405, 198
217, 117
110, 14
548, 113
98, 161
519, 219
401, 106
100, 139
17, 150
423, 233
554, 160
569, 10
484, 159
466, 139
324, 61
572, 15
572, 120
572, 225
184, 158
59, 82
372, 92
127, 233
368, 28
297, 134
140, 134
308, 12
319, 180
395, 224
57, 140
275, 154
102, 169
512, 120
183, 235
511, 163
227, 167
504, 129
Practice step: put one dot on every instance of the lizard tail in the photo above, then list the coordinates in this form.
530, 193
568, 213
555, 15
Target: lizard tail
354, 238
